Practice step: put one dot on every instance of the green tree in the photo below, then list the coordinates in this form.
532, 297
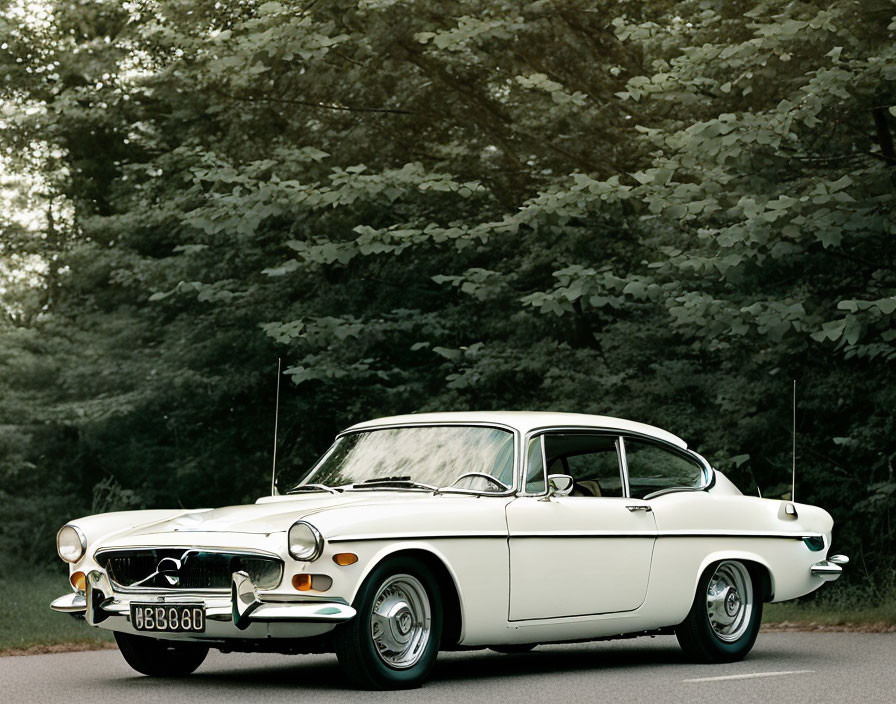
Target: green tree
658, 210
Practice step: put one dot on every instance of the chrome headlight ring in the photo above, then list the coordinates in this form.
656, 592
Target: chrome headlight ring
71, 545
304, 541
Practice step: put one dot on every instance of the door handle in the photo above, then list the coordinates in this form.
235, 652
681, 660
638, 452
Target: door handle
639, 508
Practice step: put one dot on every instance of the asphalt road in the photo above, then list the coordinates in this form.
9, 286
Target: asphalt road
783, 667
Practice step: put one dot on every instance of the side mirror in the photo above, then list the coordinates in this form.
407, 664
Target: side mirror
560, 484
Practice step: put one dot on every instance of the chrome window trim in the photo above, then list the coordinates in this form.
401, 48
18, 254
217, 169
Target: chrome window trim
623, 463
544, 430
524, 466
515, 434
122, 589
706, 469
630, 434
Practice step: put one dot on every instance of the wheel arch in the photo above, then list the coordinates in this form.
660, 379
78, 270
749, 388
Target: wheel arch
758, 567
453, 626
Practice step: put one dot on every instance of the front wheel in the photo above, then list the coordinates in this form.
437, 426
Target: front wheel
393, 641
160, 658
724, 619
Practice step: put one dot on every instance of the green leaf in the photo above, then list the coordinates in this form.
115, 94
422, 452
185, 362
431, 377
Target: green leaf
448, 353
832, 331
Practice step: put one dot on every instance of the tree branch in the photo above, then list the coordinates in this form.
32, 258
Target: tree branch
316, 104
884, 136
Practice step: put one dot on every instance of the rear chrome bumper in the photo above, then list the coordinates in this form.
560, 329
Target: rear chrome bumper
830, 569
226, 616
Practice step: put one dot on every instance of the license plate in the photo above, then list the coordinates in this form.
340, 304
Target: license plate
168, 618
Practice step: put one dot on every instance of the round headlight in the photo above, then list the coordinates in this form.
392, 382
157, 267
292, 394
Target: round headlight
70, 543
305, 542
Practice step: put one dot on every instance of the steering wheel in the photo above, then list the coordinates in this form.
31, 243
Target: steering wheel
482, 475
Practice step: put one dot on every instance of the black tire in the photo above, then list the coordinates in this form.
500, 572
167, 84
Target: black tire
701, 636
160, 658
514, 649
399, 584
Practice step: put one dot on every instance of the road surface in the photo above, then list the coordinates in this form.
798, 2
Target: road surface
783, 667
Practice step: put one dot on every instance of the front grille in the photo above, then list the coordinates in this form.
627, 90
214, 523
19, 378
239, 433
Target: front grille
139, 568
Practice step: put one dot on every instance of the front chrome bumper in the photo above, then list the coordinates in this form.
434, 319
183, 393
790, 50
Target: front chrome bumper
229, 615
830, 569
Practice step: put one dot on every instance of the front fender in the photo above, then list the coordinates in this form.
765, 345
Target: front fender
385, 551
474, 569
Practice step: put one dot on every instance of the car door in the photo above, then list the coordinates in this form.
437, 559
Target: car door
586, 553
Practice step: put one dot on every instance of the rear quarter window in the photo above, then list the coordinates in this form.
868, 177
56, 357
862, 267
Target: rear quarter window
653, 468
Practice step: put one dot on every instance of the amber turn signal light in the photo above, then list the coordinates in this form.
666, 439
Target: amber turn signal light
78, 580
345, 558
302, 582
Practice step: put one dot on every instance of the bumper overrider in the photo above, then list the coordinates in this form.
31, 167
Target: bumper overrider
830, 569
244, 610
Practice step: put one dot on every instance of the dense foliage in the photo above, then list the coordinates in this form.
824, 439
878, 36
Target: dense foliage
659, 210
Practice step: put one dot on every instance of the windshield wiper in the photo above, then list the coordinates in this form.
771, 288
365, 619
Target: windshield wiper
393, 482
298, 488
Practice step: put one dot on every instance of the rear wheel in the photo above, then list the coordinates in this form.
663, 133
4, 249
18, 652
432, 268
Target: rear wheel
160, 658
393, 641
724, 619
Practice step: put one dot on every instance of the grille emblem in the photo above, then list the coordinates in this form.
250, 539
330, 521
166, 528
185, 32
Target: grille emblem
168, 568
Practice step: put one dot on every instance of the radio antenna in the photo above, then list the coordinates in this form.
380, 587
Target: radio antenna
793, 453
276, 421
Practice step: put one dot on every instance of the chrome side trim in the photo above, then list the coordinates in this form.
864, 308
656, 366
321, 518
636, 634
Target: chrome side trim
574, 534
444, 535
734, 534
585, 534
74, 603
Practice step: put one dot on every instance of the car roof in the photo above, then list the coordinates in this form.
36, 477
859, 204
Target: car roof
526, 421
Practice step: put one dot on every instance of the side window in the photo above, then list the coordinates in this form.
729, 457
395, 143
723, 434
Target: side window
652, 468
534, 468
591, 459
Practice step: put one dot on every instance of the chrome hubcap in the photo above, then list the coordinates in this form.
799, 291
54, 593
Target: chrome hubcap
729, 601
400, 621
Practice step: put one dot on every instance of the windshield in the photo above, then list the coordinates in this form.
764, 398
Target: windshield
459, 457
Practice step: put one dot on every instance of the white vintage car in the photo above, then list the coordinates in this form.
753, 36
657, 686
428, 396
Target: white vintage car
432, 532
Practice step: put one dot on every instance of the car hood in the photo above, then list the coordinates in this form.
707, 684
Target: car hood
269, 515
